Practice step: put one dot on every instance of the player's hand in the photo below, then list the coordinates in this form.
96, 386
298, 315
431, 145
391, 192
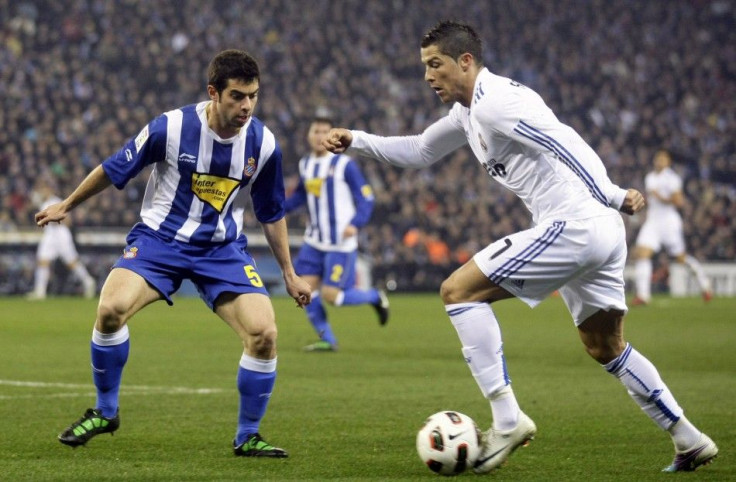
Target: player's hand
299, 290
337, 140
349, 231
633, 202
55, 213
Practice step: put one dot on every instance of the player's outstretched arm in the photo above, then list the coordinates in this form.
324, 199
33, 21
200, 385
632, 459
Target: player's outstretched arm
95, 182
633, 202
337, 140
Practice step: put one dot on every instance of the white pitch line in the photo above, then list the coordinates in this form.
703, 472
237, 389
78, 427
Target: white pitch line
129, 390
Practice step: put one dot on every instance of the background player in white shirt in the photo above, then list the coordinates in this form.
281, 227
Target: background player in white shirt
577, 243
57, 242
207, 158
340, 202
663, 229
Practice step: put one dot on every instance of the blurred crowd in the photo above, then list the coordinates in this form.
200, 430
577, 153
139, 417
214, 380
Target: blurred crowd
79, 77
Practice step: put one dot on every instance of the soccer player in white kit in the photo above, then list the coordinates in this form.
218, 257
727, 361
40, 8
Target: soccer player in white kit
57, 242
663, 229
577, 244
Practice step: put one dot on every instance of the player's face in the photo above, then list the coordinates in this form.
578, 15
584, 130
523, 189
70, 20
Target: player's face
235, 105
317, 132
662, 160
444, 75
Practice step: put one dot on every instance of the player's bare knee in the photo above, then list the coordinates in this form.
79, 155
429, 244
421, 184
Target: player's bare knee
449, 292
605, 350
329, 295
110, 317
263, 343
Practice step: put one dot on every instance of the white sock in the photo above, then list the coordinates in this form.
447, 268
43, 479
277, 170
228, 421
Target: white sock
81, 273
505, 409
646, 387
684, 434
41, 280
697, 270
480, 335
643, 277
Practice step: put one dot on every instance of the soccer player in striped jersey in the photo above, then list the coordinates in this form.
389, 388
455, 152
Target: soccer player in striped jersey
577, 244
663, 229
340, 202
207, 159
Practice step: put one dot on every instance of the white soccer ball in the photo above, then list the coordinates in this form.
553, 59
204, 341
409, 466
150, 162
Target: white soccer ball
449, 442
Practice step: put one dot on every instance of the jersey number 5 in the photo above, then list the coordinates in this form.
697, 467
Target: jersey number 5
253, 276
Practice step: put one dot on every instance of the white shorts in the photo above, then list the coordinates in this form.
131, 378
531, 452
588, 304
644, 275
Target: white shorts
582, 259
57, 242
656, 235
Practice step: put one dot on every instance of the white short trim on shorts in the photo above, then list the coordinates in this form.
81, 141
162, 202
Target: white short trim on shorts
583, 259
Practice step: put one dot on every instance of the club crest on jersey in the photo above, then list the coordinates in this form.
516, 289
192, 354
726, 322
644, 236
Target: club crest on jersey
482, 143
250, 167
130, 253
214, 190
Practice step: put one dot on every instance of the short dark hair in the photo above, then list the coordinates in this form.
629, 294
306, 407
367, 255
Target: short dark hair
232, 64
454, 39
320, 119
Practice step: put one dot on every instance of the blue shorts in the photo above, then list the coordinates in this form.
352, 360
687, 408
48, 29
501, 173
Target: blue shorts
335, 268
213, 269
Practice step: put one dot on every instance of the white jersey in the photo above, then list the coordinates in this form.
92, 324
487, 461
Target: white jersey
665, 183
520, 143
57, 240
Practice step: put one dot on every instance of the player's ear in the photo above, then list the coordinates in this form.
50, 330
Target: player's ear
465, 61
212, 92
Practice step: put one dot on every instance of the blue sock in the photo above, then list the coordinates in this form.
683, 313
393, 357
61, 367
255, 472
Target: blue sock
354, 296
318, 318
255, 384
109, 355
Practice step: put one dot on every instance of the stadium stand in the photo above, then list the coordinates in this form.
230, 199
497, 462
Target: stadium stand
77, 77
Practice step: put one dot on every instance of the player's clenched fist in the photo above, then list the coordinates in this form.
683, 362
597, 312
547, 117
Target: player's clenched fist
633, 203
337, 140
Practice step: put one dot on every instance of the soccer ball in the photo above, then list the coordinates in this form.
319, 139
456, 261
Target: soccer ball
449, 442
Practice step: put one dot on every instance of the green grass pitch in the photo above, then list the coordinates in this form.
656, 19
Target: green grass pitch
353, 415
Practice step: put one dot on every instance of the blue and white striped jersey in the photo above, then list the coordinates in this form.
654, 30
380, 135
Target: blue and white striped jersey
197, 190
336, 195
520, 143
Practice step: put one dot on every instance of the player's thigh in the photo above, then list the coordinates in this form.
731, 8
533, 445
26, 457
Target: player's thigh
123, 294
66, 249
48, 249
533, 263
650, 236
339, 269
468, 284
161, 264
674, 241
250, 315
